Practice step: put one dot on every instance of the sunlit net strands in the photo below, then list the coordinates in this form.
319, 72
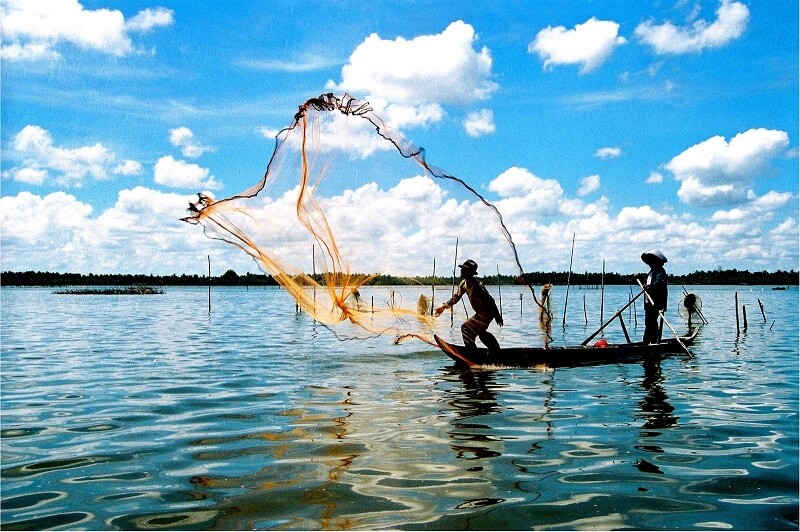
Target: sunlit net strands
297, 221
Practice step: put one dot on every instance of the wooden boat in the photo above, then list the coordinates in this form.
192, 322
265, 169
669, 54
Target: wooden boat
566, 356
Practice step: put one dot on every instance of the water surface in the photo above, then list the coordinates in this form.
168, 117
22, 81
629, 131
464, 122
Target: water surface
128, 412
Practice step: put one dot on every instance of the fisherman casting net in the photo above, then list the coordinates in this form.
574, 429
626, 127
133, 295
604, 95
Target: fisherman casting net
344, 191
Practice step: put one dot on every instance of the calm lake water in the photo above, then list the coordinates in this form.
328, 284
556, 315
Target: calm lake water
146, 412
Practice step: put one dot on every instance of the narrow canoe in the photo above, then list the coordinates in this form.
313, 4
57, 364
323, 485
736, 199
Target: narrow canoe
566, 356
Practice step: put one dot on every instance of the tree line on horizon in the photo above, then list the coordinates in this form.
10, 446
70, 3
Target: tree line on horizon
231, 278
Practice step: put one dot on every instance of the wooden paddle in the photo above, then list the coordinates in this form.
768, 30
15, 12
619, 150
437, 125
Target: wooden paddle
661, 313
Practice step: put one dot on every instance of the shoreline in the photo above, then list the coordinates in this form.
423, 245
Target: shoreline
230, 278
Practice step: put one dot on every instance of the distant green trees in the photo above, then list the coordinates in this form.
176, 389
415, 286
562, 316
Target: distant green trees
778, 278
231, 278
715, 277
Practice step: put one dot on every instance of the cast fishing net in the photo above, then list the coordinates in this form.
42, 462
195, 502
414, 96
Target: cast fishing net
335, 167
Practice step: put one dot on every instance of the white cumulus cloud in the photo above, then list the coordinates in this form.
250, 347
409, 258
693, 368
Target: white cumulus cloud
479, 123
608, 152
718, 172
149, 18
518, 181
183, 138
180, 174
667, 38
387, 229
416, 73
589, 184
589, 44
140, 233
41, 160
34, 29
35, 220
522, 192
338, 132
129, 167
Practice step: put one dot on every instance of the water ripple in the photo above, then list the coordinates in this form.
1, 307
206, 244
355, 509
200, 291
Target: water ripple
128, 414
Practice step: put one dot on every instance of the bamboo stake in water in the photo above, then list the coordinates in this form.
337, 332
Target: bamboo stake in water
602, 290
762, 310
744, 317
585, 316
566, 298
314, 274
433, 286
499, 293
633, 308
736, 305
209, 285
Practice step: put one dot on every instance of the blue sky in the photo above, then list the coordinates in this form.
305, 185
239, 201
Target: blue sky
632, 124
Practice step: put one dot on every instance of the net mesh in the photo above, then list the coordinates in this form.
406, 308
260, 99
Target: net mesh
332, 168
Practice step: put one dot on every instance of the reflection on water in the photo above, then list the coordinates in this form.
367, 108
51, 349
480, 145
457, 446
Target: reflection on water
126, 414
473, 439
655, 407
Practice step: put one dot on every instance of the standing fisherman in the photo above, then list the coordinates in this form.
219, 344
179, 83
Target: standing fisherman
482, 303
656, 288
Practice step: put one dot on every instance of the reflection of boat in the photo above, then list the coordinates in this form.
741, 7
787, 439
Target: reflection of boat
562, 356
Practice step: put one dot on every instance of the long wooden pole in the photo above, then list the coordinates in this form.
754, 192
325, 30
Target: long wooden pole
566, 298
624, 329
453, 289
612, 318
